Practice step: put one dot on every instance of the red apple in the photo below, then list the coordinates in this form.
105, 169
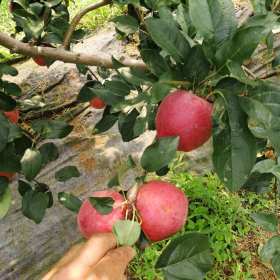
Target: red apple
163, 209
13, 116
7, 174
40, 60
97, 103
90, 221
186, 115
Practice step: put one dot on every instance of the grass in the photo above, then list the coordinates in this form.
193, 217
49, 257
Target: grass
223, 216
96, 18
90, 22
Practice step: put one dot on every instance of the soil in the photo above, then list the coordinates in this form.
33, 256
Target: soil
251, 243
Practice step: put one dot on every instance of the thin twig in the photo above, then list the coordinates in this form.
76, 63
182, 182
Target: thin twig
75, 21
249, 72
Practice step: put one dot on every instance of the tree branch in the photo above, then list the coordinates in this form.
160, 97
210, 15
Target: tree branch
75, 21
100, 59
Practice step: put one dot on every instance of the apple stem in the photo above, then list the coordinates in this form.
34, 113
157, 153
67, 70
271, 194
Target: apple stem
132, 193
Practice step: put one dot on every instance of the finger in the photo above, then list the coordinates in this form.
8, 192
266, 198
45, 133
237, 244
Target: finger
66, 259
113, 265
89, 255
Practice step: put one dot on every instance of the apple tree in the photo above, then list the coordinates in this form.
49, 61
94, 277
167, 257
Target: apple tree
190, 82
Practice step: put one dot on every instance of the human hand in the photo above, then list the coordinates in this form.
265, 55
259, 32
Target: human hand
97, 259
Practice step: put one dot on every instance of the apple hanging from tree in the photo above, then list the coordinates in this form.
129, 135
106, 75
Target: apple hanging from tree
91, 221
163, 209
186, 115
97, 103
40, 60
13, 116
8, 175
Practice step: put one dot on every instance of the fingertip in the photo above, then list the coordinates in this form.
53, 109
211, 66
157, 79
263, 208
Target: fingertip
131, 252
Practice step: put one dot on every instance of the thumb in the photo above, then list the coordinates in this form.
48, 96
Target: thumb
113, 265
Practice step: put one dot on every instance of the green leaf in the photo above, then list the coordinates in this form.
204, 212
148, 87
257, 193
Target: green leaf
276, 264
242, 45
23, 187
113, 92
159, 91
7, 103
34, 205
49, 152
264, 166
163, 171
270, 249
154, 61
9, 160
268, 22
31, 163
136, 77
139, 126
114, 181
276, 61
51, 129
126, 24
5, 202
11, 88
267, 221
51, 4
196, 66
107, 121
66, 173
169, 38
259, 183
87, 91
70, 201
214, 20
43, 188
21, 144
130, 162
103, 72
126, 124
151, 116
159, 154
83, 69
8, 70
234, 145
103, 205
187, 257
259, 7
15, 132
4, 131
264, 121
184, 20
4, 183
116, 63
31, 26
238, 73
126, 232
